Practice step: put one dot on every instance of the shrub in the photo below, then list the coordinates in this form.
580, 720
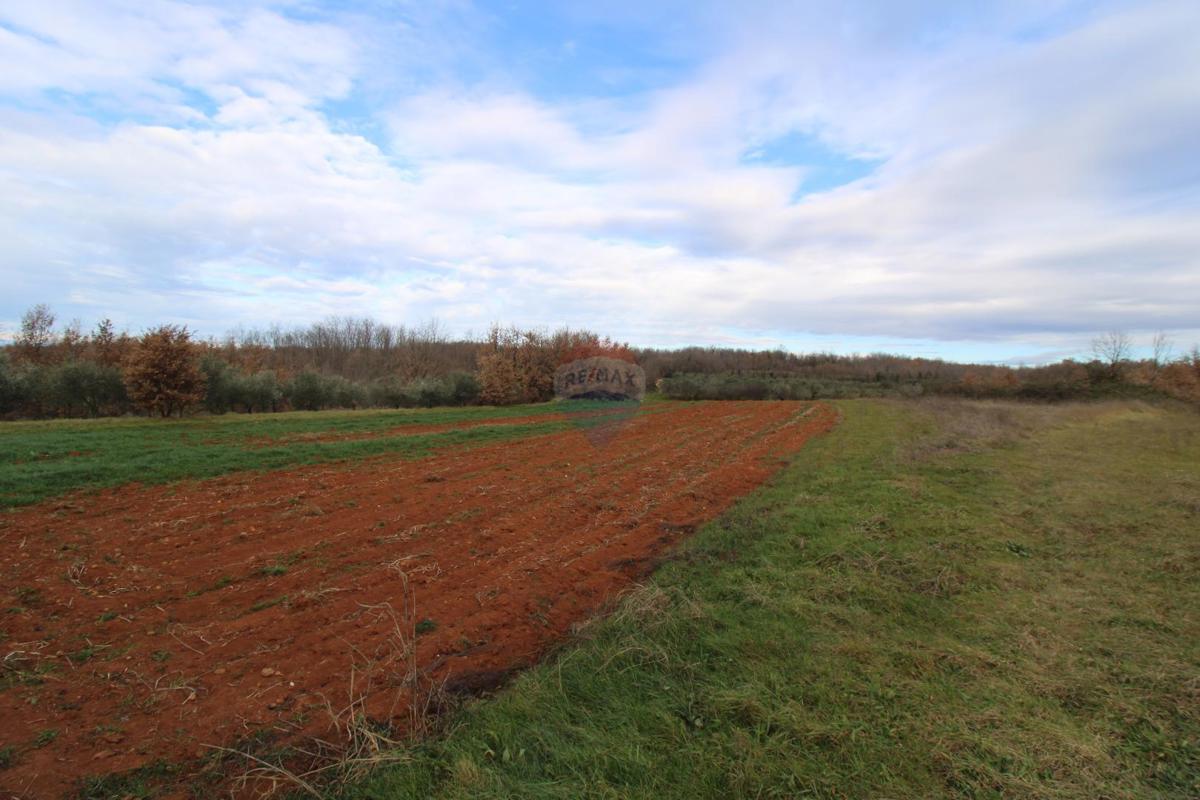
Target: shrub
463, 389
219, 384
96, 387
307, 392
260, 391
310, 391
456, 389
518, 366
766, 387
387, 393
343, 393
14, 394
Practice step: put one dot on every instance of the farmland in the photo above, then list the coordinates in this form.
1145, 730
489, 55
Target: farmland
911, 599
147, 621
934, 600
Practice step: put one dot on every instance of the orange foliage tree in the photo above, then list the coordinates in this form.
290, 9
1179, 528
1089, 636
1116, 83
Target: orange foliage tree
1181, 379
518, 366
162, 373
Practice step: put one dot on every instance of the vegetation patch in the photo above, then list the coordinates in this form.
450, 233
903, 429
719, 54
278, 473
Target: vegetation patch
149, 451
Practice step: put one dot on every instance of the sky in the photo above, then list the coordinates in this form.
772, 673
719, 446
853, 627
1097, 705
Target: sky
973, 181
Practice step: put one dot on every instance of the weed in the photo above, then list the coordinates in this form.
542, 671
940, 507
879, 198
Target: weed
265, 604
83, 655
29, 596
1017, 549
139, 784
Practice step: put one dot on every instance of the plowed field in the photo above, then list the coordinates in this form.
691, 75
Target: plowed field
143, 624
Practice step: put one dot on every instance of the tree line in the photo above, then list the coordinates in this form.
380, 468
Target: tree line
52, 371
341, 362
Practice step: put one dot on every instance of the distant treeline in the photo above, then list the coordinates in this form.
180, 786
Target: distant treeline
721, 373
52, 371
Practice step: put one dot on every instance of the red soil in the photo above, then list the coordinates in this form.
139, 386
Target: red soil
505, 547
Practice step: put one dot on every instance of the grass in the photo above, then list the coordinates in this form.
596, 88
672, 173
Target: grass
946, 600
39, 460
45, 737
263, 605
139, 784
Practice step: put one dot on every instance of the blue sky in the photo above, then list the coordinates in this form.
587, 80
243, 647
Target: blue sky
967, 180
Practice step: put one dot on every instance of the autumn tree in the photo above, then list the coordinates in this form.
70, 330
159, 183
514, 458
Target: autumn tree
516, 366
162, 374
107, 347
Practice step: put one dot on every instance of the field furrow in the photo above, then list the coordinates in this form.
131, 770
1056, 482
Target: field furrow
148, 622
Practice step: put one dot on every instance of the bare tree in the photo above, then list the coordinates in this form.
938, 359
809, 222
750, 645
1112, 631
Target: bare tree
1161, 347
1112, 348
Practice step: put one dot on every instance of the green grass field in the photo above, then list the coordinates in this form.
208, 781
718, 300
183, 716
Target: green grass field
935, 600
44, 459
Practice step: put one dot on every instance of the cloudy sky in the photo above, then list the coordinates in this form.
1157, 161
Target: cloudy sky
969, 180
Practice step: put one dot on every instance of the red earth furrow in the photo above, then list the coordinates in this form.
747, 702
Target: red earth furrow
505, 547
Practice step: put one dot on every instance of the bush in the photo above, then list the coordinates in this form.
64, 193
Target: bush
387, 393
518, 366
98, 388
342, 393
14, 392
260, 391
219, 384
463, 389
307, 392
456, 389
162, 374
766, 387
310, 391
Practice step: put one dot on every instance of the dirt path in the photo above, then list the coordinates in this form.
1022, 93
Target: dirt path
162, 619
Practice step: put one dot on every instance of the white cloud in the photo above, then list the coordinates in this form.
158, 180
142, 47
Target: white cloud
1031, 187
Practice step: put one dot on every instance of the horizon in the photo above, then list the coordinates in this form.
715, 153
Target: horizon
1138, 351
993, 185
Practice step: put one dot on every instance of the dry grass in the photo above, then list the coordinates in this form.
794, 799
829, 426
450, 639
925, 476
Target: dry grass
388, 680
956, 425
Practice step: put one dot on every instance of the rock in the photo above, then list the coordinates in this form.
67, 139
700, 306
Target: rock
267, 672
